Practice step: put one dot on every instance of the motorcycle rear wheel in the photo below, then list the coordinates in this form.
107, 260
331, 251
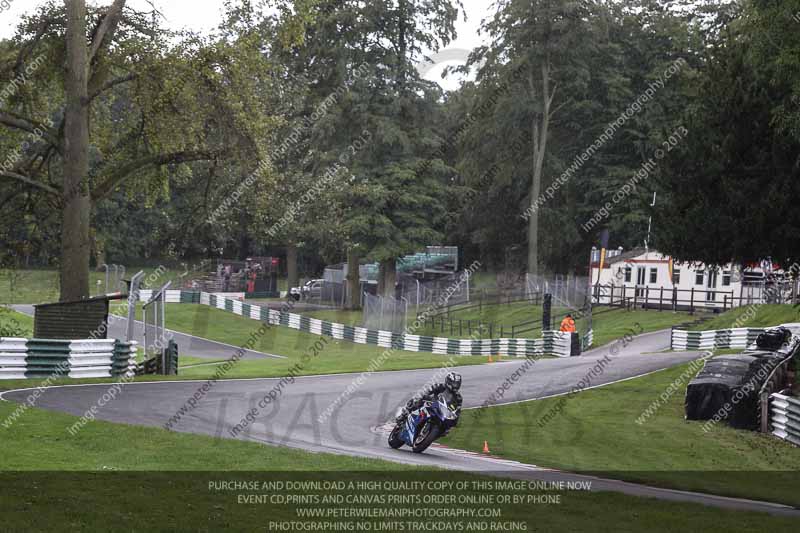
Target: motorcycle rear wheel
427, 434
394, 438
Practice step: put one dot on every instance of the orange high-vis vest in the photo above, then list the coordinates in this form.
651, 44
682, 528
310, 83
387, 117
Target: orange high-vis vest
568, 325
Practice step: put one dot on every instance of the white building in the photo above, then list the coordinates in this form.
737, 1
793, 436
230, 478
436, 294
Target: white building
642, 277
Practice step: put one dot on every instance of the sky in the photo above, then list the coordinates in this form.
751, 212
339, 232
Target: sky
203, 16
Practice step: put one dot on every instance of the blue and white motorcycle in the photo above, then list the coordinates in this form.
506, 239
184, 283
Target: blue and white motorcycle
421, 427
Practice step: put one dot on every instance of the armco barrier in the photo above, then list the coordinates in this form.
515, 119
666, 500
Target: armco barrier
719, 339
173, 296
551, 343
785, 417
42, 358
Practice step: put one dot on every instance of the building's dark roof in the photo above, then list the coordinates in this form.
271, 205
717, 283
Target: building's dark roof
624, 256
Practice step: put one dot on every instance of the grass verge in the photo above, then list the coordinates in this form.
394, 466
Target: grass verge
597, 431
755, 316
608, 324
334, 356
166, 500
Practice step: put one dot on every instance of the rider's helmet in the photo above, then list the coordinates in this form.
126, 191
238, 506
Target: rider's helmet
453, 381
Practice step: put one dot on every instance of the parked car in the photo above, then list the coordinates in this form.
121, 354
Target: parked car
311, 289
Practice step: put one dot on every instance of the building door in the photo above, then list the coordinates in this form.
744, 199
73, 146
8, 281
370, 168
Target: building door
711, 286
640, 279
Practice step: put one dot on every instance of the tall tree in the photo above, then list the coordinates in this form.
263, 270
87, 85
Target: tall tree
729, 190
77, 207
538, 56
133, 108
359, 59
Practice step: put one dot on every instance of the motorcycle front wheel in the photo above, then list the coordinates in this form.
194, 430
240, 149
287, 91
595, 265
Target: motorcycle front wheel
427, 434
394, 438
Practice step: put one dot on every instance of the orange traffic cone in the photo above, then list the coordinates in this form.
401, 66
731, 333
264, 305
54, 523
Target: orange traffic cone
490, 358
486, 447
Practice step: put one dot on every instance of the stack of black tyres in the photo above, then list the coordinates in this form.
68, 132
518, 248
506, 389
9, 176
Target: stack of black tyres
714, 387
727, 388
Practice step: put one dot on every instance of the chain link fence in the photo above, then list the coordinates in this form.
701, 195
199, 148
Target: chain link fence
385, 313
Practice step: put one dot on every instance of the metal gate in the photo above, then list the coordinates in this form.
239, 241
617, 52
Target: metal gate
156, 337
387, 314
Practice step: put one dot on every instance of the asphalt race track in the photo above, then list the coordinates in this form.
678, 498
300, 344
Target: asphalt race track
356, 426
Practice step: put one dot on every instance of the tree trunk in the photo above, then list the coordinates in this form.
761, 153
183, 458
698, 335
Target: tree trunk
389, 269
541, 125
353, 280
291, 265
75, 244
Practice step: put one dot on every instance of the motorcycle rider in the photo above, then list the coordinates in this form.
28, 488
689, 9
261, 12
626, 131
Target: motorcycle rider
452, 383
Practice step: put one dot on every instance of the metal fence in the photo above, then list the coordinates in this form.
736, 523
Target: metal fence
674, 299
568, 291
551, 342
134, 295
114, 275
453, 289
154, 321
385, 313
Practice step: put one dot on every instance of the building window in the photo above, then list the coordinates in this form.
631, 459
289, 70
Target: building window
699, 277
726, 279
653, 275
628, 274
676, 276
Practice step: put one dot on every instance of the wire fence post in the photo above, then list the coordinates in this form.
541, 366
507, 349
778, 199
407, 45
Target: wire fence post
133, 297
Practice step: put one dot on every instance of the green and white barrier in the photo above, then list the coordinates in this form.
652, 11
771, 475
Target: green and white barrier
172, 296
551, 343
42, 358
718, 339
